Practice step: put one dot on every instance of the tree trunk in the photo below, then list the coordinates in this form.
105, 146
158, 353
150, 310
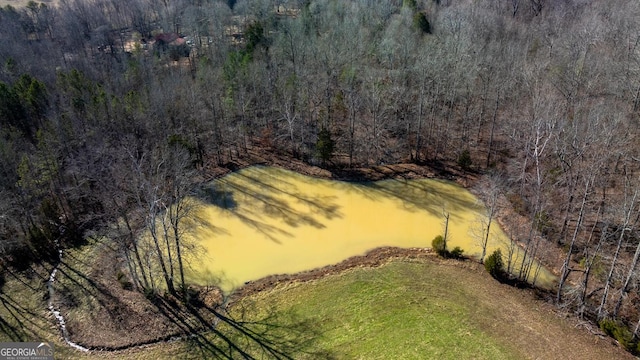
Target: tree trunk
419, 127
352, 127
607, 285
167, 243
493, 127
565, 222
136, 253
627, 281
177, 238
565, 271
491, 213
589, 264
154, 235
446, 226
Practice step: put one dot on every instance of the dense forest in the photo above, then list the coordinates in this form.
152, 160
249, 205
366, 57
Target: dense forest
112, 110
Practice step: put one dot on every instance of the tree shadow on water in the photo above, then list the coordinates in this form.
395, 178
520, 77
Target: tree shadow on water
429, 195
214, 195
274, 182
269, 203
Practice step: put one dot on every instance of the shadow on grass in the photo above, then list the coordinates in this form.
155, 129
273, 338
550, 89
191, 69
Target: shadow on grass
517, 283
11, 331
86, 287
211, 333
19, 320
192, 329
271, 335
18, 317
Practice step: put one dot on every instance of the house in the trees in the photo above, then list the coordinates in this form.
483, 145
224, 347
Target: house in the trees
171, 44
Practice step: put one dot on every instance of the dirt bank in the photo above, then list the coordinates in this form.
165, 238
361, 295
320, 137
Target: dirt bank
259, 156
373, 258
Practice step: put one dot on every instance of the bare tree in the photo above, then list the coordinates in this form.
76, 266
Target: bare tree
566, 269
628, 207
490, 194
445, 215
541, 132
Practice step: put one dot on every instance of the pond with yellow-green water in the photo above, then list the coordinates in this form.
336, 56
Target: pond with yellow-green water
261, 221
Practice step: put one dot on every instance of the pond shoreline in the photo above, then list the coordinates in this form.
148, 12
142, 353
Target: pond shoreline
111, 338
404, 170
371, 259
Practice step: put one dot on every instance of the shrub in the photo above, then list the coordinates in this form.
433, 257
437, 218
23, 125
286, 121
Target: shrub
190, 295
150, 293
124, 282
254, 35
421, 23
494, 265
411, 4
518, 203
325, 145
439, 246
456, 253
620, 332
543, 223
464, 160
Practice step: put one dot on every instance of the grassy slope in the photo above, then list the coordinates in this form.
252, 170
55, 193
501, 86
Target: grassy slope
392, 312
402, 310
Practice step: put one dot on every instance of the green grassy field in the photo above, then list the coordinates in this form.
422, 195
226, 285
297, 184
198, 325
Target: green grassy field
397, 311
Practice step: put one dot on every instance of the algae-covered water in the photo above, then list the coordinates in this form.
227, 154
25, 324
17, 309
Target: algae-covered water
261, 221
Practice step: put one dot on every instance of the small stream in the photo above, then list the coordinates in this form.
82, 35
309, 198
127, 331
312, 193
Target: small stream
56, 313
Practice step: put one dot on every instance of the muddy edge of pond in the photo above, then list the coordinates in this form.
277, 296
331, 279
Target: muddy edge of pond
374, 258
